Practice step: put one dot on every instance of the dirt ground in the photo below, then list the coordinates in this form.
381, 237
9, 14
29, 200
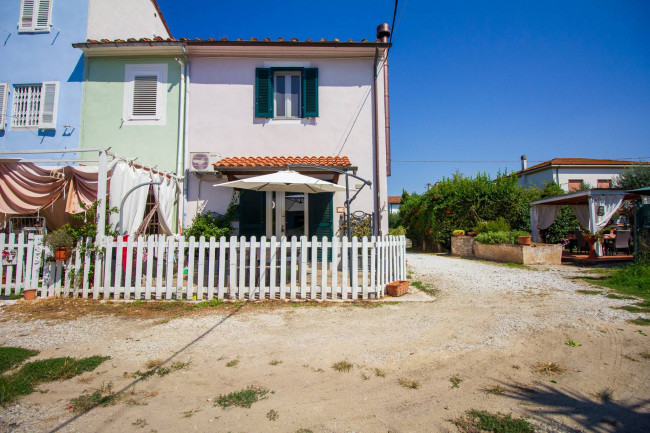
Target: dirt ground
488, 326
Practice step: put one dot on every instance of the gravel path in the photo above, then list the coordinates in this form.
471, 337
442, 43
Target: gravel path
485, 320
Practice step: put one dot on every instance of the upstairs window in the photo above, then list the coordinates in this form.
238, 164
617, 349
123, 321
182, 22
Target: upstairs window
145, 95
35, 16
604, 183
35, 106
575, 184
286, 92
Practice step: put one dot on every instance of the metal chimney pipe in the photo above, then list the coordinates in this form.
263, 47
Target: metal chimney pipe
524, 162
383, 32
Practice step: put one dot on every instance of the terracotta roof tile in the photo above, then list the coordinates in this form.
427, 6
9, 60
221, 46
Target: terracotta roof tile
395, 199
281, 161
580, 161
252, 40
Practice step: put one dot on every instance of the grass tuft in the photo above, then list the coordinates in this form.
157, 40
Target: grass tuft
572, 343
641, 321
631, 279
645, 355
475, 421
342, 366
407, 383
31, 374
244, 398
605, 395
103, 396
12, 356
275, 362
153, 363
589, 292
232, 363
272, 415
455, 381
496, 390
379, 372
549, 367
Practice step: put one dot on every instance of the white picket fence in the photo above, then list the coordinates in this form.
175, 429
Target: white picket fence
161, 267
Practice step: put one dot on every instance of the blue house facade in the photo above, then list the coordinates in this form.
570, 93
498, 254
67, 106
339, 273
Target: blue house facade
41, 74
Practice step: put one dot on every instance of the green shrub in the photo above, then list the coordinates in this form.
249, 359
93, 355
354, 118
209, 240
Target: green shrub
393, 220
209, 224
500, 237
497, 225
397, 231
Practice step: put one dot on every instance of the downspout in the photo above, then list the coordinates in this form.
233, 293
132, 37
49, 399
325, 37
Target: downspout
182, 137
186, 161
376, 225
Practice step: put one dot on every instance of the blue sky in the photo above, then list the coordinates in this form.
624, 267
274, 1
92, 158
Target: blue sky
478, 80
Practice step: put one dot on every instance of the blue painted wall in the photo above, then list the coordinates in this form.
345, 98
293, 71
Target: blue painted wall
36, 57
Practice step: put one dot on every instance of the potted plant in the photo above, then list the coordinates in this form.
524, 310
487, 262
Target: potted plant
60, 242
29, 294
458, 233
525, 240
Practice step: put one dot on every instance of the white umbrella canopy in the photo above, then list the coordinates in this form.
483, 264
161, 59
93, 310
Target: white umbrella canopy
287, 181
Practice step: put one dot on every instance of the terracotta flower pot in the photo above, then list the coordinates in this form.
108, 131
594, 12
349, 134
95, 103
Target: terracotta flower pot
62, 253
29, 294
397, 288
524, 240
472, 234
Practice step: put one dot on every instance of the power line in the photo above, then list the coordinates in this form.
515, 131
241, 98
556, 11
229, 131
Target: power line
392, 26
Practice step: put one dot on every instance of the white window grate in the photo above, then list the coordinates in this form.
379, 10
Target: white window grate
26, 106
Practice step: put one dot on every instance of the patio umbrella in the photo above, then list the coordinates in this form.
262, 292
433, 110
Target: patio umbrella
287, 181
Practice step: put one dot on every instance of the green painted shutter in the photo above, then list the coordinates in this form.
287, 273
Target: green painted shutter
263, 92
310, 92
321, 218
252, 213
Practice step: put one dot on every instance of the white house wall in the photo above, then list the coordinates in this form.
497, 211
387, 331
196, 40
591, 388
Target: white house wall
222, 121
562, 175
122, 19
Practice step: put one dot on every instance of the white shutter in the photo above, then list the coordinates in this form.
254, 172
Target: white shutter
27, 14
42, 17
3, 104
145, 95
49, 102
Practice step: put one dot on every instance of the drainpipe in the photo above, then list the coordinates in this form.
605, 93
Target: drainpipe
383, 34
376, 225
182, 136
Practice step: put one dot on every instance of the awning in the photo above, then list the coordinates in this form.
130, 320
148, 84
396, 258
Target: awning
239, 166
287, 181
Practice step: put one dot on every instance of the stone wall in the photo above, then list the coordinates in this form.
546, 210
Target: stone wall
540, 254
462, 246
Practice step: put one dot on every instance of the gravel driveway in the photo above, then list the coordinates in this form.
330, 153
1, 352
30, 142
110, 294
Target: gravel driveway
488, 325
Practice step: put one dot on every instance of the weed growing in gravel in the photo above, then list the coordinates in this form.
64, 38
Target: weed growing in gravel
572, 343
615, 296
645, 355
496, 390
424, 287
641, 321
605, 395
589, 292
475, 421
103, 396
638, 331
364, 376
516, 367
549, 367
275, 362
629, 358
160, 371
12, 356
140, 423
153, 363
191, 412
406, 383
304, 430
22, 382
342, 366
639, 307
273, 415
244, 398
455, 381
232, 363
379, 372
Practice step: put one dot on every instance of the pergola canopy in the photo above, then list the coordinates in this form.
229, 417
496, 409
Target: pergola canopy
593, 208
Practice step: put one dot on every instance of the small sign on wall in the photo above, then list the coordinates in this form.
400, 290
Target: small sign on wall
340, 209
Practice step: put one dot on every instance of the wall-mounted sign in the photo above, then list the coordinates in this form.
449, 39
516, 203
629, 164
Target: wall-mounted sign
340, 209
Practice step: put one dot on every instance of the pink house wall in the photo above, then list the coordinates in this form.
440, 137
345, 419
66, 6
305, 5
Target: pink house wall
221, 120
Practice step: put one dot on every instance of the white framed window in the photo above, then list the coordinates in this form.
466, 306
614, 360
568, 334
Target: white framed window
35, 105
145, 94
35, 16
3, 104
287, 89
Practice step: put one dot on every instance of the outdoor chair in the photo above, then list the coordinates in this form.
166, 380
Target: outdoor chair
581, 243
622, 241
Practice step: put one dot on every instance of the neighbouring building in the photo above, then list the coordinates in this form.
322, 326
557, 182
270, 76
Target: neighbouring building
393, 203
573, 173
41, 73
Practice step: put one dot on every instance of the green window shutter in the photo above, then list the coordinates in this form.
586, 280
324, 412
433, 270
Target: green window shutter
252, 213
310, 92
263, 92
321, 218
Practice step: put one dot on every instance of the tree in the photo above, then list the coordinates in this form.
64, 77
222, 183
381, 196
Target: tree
634, 177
